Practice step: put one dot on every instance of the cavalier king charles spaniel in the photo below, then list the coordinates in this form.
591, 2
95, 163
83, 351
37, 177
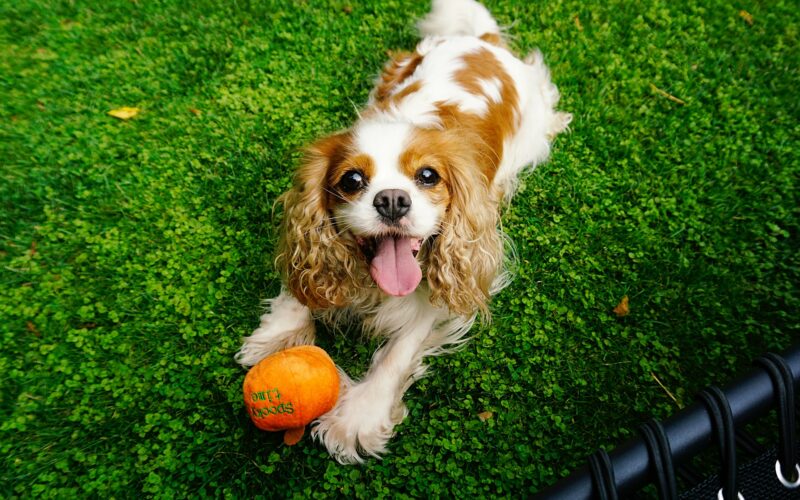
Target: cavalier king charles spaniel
394, 221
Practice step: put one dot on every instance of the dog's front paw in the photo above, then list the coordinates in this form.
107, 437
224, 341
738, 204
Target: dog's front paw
360, 424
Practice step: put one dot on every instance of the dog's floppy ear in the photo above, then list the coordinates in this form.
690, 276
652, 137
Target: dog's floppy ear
468, 252
318, 266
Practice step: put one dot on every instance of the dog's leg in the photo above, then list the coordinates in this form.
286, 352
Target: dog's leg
286, 323
364, 418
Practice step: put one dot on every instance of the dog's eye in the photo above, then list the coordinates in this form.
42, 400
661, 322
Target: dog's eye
427, 176
352, 181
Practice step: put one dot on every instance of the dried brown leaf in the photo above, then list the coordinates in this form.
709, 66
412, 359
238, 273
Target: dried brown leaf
748, 17
32, 328
622, 308
124, 113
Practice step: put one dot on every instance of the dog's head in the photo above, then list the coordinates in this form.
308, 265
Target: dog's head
391, 203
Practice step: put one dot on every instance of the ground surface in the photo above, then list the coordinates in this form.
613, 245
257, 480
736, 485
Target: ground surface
134, 254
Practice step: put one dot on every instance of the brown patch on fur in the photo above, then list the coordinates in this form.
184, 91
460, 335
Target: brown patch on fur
402, 94
320, 268
494, 39
400, 67
430, 148
361, 162
501, 118
467, 253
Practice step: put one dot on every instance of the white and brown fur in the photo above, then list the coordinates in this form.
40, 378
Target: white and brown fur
463, 105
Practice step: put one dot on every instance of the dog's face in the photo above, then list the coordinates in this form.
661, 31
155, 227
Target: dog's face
390, 193
400, 202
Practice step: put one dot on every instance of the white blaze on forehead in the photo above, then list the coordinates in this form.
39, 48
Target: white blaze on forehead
384, 142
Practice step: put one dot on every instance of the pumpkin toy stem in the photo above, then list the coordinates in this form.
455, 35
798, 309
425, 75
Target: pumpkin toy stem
293, 436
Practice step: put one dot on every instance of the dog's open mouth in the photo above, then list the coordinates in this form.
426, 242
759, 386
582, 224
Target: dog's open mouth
392, 262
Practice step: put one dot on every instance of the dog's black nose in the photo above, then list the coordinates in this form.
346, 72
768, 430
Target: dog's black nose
392, 203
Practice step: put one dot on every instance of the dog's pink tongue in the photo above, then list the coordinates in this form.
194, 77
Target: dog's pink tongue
394, 267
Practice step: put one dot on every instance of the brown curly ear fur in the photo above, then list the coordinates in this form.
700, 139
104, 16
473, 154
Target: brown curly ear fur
468, 253
319, 267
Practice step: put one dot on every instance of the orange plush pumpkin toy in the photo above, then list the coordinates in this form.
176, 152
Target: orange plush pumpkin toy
289, 389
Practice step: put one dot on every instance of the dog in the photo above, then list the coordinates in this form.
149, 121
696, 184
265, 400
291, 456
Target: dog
394, 221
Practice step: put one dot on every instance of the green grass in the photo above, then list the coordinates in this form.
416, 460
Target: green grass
134, 255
